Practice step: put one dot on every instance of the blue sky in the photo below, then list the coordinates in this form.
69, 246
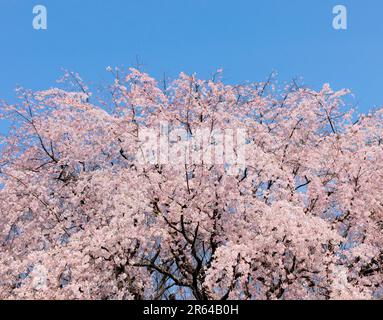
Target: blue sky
248, 39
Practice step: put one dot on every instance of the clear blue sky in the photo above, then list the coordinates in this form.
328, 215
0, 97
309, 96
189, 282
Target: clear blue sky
248, 39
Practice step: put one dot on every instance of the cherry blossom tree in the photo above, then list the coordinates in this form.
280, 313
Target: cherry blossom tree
85, 214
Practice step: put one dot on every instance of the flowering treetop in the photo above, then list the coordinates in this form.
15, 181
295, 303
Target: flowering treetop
89, 212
